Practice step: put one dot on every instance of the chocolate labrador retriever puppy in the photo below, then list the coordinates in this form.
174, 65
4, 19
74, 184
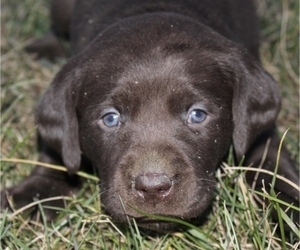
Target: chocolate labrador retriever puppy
154, 94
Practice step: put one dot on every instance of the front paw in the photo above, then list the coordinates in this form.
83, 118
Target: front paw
48, 47
36, 188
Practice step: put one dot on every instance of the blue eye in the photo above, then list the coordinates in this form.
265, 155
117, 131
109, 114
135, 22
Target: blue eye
196, 116
111, 119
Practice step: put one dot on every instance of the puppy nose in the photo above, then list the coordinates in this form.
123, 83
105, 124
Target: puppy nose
153, 187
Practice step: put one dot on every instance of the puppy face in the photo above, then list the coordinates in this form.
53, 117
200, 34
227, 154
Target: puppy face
154, 105
157, 138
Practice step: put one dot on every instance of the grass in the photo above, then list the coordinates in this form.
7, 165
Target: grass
235, 221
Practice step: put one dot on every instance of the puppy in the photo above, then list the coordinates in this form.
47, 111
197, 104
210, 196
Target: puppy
152, 98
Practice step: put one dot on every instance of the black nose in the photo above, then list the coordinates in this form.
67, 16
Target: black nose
153, 187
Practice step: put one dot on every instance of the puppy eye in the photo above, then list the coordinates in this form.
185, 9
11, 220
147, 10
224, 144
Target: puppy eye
111, 119
196, 116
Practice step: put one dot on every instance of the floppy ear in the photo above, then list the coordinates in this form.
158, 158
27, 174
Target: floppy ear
256, 102
57, 121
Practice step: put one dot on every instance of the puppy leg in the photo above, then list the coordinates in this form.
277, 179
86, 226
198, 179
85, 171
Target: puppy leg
42, 183
286, 168
50, 46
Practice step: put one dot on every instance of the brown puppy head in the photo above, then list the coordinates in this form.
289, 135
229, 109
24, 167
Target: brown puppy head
156, 112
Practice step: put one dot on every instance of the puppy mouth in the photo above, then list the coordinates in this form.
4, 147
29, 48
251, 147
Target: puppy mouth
152, 188
158, 212
163, 223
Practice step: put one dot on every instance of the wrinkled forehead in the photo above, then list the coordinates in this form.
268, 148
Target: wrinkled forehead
174, 80
156, 82
155, 66
151, 82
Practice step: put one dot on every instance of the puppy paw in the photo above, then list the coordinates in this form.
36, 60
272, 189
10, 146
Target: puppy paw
36, 188
48, 47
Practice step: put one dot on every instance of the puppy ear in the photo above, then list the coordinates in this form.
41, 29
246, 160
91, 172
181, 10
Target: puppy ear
256, 102
57, 121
